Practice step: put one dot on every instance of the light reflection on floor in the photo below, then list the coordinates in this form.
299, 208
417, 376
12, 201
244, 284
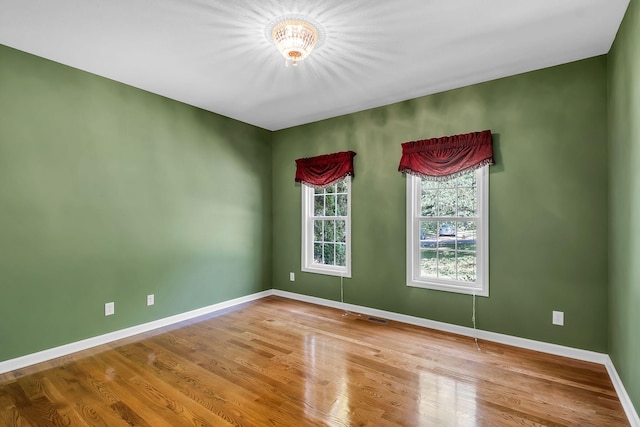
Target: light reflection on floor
443, 398
322, 394
440, 399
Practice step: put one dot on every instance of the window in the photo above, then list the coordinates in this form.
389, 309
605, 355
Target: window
448, 233
326, 229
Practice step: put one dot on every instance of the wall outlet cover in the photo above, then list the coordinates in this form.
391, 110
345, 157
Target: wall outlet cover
151, 299
558, 318
109, 309
292, 276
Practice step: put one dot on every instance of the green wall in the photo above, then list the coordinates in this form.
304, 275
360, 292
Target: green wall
108, 193
548, 203
624, 202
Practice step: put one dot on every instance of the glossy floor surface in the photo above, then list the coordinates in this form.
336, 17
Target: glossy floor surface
278, 362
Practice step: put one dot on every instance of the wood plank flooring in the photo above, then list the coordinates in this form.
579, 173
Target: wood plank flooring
278, 362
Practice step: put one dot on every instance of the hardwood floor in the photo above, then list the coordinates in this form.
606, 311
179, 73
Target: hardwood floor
278, 362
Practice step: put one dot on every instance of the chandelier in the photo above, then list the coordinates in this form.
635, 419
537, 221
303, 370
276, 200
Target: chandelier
295, 39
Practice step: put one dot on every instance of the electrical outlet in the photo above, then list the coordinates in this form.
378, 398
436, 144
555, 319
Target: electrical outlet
558, 318
151, 299
292, 276
109, 309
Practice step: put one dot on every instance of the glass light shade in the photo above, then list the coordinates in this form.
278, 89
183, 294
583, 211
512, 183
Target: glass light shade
295, 39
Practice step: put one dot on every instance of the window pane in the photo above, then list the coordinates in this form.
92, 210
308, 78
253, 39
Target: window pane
449, 183
318, 235
447, 202
341, 231
329, 231
331, 205
428, 234
429, 185
467, 266
428, 263
447, 243
318, 205
447, 264
468, 179
428, 202
467, 202
447, 231
342, 186
331, 189
341, 255
342, 205
329, 254
317, 253
466, 235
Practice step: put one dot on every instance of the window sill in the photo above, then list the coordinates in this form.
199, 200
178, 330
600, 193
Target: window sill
327, 271
451, 287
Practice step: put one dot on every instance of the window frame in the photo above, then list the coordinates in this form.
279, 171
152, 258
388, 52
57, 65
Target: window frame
481, 286
307, 263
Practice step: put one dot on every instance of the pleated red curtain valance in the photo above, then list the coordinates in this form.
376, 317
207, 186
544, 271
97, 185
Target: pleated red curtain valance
323, 171
447, 157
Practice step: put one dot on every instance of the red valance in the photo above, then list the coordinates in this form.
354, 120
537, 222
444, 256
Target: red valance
448, 156
323, 171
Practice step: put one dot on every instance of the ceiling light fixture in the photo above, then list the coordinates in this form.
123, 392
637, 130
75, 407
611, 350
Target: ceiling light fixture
295, 39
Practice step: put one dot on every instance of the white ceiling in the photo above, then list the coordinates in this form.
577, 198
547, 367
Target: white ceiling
214, 54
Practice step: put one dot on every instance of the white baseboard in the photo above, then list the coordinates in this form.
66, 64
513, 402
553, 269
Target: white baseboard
559, 350
64, 350
629, 409
589, 356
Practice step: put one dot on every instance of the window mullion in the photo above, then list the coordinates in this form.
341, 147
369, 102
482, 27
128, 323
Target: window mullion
417, 253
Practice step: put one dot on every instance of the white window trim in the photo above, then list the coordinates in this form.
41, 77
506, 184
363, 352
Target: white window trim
308, 264
481, 287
